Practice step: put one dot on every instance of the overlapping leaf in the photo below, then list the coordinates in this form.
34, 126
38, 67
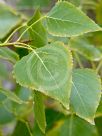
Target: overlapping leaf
39, 110
3, 71
82, 46
38, 34
98, 123
25, 4
66, 20
19, 109
5, 116
48, 70
22, 128
8, 20
8, 54
99, 109
86, 93
10, 95
73, 126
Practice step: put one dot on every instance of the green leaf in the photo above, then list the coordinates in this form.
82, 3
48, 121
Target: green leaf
22, 129
73, 126
4, 74
82, 46
39, 111
52, 117
98, 11
98, 123
8, 20
25, 4
48, 70
38, 33
2, 98
23, 109
10, 95
5, 116
75, 2
37, 131
41, 3
52, 38
8, 54
99, 109
67, 20
86, 93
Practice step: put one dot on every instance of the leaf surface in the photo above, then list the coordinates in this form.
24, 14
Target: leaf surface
5, 116
20, 109
86, 93
66, 20
98, 123
22, 129
48, 70
39, 110
82, 46
8, 54
37, 32
10, 95
8, 20
73, 126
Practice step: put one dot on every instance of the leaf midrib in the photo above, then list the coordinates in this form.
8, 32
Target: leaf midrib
53, 18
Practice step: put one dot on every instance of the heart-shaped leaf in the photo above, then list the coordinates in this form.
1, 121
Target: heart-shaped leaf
48, 70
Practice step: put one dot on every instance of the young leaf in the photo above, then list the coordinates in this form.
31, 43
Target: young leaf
8, 20
8, 54
10, 95
67, 20
82, 46
73, 126
22, 129
48, 70
38, 33
39, 111
86, 93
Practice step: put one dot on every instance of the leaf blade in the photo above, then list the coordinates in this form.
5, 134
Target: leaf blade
37, 32
22, 128
8, 20
86, 93
10, 95
39, 111
83, 47
73, 22
8, 54
40, 71
71, 126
